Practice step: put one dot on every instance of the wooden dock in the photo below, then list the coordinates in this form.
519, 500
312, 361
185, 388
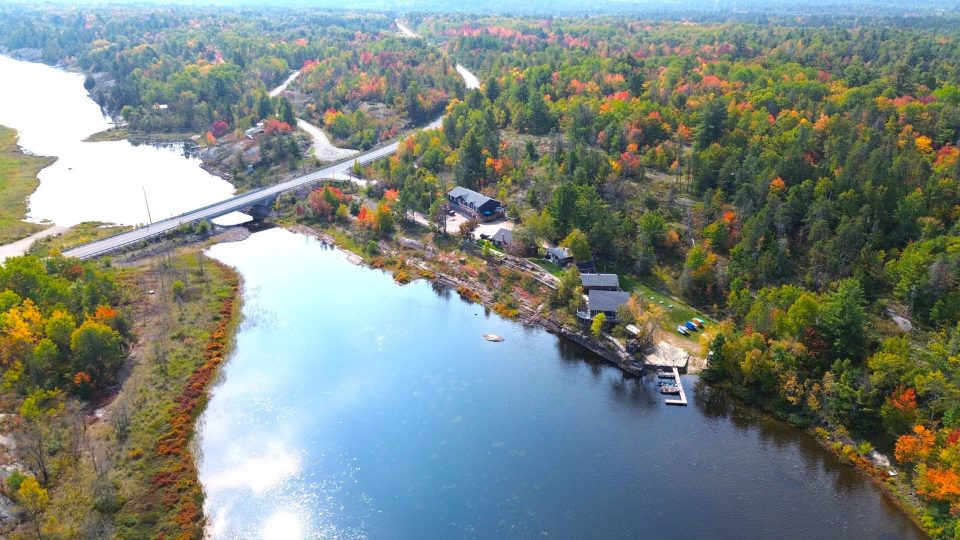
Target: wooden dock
682, 400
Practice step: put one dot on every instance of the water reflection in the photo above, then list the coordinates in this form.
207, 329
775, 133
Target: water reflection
104, 181
386, 414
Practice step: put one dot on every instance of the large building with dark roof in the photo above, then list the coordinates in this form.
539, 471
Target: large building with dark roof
606, 302
475, 204
600, 282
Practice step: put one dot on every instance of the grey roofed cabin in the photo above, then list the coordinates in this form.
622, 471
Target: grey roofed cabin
502, 238
606, 302
600, 282
560, 256
476, 204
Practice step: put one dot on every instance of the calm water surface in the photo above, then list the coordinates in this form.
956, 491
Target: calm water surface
353, 407
94, 181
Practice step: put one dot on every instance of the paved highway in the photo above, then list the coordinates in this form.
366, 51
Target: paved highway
239, 202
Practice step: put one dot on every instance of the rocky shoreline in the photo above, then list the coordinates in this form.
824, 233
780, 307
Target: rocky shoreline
480, 294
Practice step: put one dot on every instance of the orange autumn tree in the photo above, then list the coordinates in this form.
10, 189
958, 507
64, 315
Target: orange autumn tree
914, 448
940, 484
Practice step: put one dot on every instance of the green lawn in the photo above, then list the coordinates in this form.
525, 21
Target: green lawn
548, 266
678, 314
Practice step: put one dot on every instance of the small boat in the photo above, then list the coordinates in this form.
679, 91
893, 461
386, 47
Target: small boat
690, 326
669, 389
492, 337
683, 330
699, 322
664, 373
666, 383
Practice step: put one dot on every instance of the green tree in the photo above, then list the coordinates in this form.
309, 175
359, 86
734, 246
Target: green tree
843, 320
712, 122
96, 350
541, 119
59, 328
596, 327
469, 167
579, 245
568, 290
563, 207
41, 364
264, 107
286, 112
653, 227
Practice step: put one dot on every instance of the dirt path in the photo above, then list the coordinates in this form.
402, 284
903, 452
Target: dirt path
406, 31
469, 78
20, 247
322, 147
279, 90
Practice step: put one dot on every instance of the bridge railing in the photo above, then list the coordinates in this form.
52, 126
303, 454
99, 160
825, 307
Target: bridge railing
292, 181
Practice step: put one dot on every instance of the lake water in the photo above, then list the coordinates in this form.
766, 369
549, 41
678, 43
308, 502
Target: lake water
94, 181
353, 407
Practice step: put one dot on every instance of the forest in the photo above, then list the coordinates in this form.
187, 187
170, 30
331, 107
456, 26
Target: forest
800, 184
210, 71
799, 180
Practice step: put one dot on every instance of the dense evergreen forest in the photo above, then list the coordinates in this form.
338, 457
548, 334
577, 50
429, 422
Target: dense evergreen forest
799, 179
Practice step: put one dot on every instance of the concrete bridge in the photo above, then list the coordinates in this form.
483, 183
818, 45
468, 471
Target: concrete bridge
243, 201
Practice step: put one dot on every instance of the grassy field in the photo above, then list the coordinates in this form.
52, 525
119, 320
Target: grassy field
548, 266
18, 179
676, 315
147, 486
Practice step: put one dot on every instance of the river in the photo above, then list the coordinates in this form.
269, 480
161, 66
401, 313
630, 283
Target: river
353, 407
104, 181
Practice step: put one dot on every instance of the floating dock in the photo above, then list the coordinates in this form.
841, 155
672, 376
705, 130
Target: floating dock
682, 400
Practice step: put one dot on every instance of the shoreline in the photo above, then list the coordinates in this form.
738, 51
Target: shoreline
209, 373
469, 291
889, 492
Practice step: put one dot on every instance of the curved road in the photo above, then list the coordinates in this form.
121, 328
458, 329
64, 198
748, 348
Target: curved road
337, 171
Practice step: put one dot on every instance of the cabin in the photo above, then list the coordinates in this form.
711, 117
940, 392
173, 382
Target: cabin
605, 302
559, 256
502, 238
254, 131
599, 282
588, 267
475, 204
